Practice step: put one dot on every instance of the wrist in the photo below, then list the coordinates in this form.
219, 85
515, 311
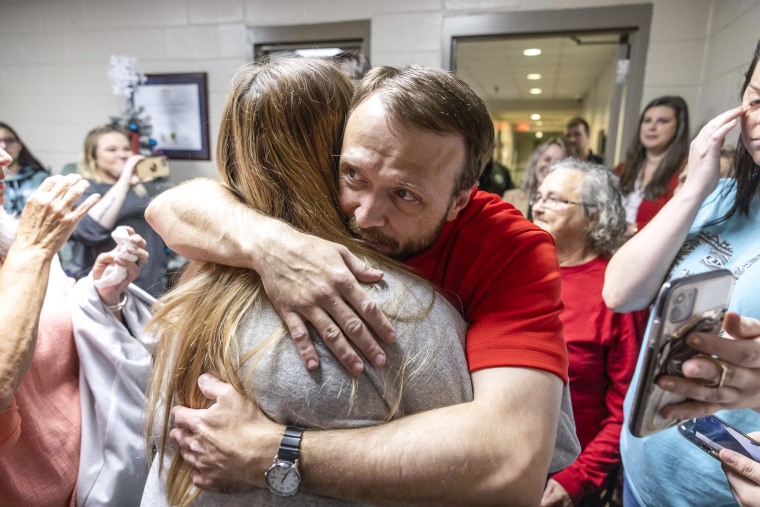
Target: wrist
32, 255
263, 448
272, 236
117, 306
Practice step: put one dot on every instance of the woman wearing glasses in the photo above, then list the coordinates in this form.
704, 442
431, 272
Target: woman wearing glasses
579, 204
25, 173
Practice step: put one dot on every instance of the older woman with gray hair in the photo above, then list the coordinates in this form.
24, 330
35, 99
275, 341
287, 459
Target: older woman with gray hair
579, 204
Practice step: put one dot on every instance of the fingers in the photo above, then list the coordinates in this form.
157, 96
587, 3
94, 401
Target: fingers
690, 409
334, 339
211, 387
360, 269
130, 164
743, 352
302, 339
740, 327
365, 306
741, 464
186, 418
86, 206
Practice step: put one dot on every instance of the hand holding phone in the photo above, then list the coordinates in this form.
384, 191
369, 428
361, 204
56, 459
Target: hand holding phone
695, 303
152, 167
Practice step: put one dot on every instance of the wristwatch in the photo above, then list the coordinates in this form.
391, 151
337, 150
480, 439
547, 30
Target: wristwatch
283, 477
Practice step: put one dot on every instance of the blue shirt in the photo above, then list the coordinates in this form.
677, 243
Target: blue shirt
665, 469
20, 186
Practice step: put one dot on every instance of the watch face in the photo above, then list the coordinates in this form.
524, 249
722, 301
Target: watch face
283, 479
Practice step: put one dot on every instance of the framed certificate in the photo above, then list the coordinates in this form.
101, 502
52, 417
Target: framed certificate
177, 107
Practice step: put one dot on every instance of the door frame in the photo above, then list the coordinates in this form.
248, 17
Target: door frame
635, 19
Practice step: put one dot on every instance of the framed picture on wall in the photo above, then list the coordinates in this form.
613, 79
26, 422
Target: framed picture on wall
177, 107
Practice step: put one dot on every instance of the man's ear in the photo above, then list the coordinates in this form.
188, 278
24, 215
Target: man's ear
459, 202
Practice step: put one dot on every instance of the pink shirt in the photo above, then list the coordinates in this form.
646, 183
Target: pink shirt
40, 430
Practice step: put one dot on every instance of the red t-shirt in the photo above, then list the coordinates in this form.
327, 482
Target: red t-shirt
501, 272
602, 347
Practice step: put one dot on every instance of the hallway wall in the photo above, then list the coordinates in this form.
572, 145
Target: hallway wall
54, 58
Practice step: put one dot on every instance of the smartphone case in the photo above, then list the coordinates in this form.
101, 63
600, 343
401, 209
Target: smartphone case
152, 167
666, 343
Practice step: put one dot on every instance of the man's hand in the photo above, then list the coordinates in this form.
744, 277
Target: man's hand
555, 495
739, 352
49, 216
743, 476
230, 444
309, 279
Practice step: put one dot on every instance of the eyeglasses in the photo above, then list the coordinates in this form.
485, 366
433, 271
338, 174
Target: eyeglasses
8, 140
551, 202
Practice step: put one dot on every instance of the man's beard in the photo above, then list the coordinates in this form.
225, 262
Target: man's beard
8, 227
400, 252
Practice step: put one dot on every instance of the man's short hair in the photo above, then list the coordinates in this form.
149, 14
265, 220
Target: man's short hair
435, 100
578, 121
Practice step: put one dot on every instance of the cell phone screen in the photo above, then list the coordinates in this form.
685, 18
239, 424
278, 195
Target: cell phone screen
713, 434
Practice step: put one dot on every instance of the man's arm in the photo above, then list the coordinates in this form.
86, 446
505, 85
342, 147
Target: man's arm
46, 223
307, 278
493, 450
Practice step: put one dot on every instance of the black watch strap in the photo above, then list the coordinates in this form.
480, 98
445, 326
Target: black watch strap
291, 441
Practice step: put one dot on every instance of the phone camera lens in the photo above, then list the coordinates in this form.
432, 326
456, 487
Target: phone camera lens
676, 314
680, 297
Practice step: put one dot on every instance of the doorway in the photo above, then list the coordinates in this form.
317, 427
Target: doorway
591, 64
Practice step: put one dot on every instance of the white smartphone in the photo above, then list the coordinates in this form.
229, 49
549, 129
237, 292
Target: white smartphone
695, 303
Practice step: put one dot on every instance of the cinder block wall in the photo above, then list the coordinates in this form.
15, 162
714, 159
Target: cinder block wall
54, 57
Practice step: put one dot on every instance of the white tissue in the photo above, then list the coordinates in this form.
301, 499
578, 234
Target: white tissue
114, 273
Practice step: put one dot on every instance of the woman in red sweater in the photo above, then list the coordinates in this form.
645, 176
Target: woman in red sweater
579, 205
649, 173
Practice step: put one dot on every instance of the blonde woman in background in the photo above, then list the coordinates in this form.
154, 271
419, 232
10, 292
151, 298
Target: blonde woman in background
109, 164
279, 136
545, 156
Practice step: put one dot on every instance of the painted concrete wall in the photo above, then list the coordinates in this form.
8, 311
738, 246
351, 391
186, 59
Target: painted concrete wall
54, 57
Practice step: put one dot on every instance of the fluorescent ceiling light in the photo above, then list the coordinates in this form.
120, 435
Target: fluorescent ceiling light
532, 52
539, 135
318, 52
539, 123
533, 77
535, 116
535, 91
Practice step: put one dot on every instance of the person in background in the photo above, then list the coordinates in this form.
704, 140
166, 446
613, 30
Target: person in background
711, 223
543, 157
24, 174
579, 204
577, 134
657, 155
109, 165
495, 178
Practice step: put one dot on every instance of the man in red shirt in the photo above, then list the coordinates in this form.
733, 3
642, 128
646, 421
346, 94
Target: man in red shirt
414, 146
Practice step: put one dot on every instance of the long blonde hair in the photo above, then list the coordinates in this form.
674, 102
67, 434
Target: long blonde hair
277, 151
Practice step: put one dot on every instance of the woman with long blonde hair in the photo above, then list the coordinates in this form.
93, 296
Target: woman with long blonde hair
277, 151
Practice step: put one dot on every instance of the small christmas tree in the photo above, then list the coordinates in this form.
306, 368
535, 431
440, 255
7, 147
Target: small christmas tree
122, 72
